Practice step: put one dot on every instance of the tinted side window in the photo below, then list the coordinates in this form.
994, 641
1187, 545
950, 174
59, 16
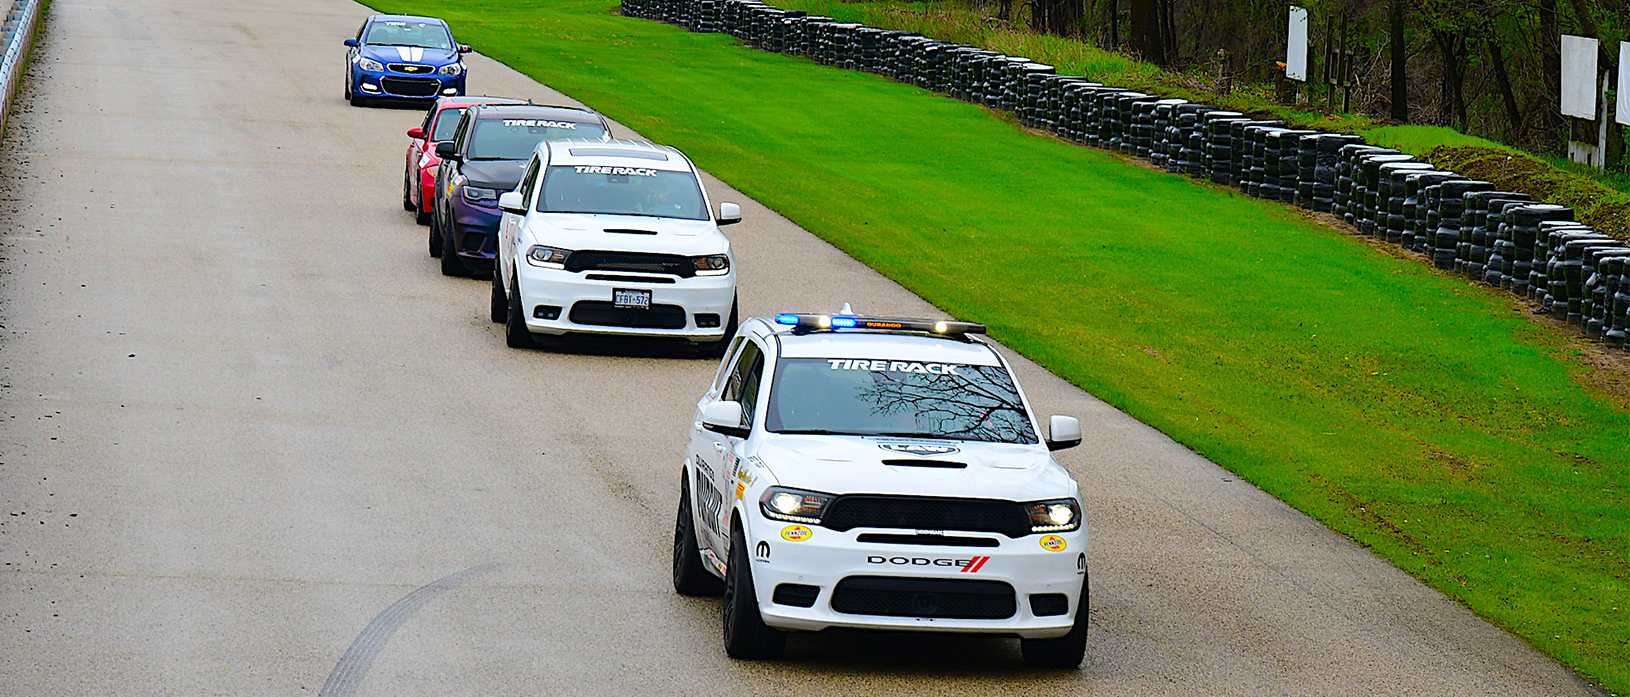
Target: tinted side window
739, 371
749, 389
530, 178
463, 132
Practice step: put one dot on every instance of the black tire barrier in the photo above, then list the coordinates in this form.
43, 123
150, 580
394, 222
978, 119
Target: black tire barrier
1499, 238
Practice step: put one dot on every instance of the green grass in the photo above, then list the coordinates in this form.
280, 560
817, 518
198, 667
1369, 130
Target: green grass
1427, 419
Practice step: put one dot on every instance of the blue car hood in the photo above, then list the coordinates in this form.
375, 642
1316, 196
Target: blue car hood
410, 54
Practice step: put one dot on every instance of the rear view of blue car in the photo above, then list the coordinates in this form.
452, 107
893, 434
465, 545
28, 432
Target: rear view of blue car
403, 58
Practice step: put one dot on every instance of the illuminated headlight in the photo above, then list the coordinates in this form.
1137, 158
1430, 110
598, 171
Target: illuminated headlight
796, 505
476, 193
1061, 515
369, 64
547, 257
450, 69
712, 265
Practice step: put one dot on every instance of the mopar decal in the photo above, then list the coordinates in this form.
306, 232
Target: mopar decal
541, 123
625, 171
894, 366
919, 448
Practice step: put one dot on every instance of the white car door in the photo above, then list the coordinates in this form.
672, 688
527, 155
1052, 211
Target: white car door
509, 229
713, 455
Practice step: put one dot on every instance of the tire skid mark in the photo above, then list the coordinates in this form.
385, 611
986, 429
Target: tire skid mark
347, 675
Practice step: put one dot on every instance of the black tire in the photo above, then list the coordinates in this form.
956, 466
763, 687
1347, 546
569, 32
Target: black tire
689, 575
407, 195
451, 264
422, 215
716, 349
515, 332
358, 100
435, 236
1067, 651
500, 299
745, 634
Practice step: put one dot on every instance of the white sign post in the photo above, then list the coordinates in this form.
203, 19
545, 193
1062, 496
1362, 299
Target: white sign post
1579, 77
1296, 46
1624, 83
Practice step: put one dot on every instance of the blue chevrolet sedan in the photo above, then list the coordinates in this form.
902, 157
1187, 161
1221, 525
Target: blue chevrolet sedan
403, 58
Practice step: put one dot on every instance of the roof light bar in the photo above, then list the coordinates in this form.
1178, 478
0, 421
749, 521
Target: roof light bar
804, 324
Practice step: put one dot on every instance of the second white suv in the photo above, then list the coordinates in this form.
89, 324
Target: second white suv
613, 237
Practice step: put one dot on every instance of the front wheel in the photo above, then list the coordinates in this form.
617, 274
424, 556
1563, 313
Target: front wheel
689, 576
435, 236
515, 332
407, 193
500, 299
745, 634
1066, 651
451, 264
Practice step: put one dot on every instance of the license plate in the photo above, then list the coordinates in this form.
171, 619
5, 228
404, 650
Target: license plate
631, 299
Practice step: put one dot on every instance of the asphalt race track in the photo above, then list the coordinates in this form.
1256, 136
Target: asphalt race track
253, 443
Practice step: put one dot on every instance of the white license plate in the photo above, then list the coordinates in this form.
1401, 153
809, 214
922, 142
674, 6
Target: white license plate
631, 299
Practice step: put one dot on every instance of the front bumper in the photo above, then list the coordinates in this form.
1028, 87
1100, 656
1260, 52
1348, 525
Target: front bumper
386, 84
475, 230
670, 296
825, 557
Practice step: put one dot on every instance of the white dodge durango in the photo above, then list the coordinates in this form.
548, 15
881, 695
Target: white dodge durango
615, 238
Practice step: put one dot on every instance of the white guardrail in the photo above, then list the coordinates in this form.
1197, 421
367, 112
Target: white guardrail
17, 35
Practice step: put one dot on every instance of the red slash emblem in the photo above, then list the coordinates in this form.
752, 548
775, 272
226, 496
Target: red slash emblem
974, 565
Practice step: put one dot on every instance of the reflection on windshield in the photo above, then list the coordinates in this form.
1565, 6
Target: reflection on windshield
410, 34
515, 139
446, 124
622, 191
898, 398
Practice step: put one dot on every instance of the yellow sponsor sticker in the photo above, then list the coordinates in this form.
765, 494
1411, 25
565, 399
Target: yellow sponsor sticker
741, 490
1053, 543
798, 533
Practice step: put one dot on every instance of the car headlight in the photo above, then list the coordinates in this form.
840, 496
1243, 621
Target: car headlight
450, 69
547, 257
1060, 515
796, 505
476, 193
369, 64
712, 265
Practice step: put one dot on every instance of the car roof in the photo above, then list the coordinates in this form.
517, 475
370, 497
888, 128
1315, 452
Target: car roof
888, 346
406, 18
466, 101
537, 111
623, 153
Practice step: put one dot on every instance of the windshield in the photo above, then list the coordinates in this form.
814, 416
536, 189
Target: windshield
420, 34
897, 398
515, 139
446, 124
622, 191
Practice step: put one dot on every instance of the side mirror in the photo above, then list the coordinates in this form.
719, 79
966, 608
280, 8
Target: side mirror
1063, 432
724, 418
416, 133
447, 150
512, 202
351, 42
464, 48
729, 214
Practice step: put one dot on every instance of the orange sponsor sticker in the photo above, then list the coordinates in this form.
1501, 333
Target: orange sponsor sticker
1053, 543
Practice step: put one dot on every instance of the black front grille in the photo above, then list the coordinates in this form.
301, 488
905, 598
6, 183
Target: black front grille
410, 86
1049, 604
409, 68
925, 513
924, 597
605, 314
631, 261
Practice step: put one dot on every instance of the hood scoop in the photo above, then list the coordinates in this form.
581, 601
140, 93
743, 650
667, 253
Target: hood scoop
937, 464
629, 231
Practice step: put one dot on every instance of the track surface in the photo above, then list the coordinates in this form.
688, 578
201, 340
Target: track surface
253, 443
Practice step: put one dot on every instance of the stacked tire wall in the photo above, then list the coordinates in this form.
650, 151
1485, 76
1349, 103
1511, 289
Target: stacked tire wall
1499, 238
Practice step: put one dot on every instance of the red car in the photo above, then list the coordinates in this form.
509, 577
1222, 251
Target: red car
419, 177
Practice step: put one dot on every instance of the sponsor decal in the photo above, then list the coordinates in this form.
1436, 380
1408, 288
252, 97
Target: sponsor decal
919, 448
762, 550
1053, 543
894, 366
713, 559
796, 533
741, 490
541, 123
970, 565
709, 502
625, 171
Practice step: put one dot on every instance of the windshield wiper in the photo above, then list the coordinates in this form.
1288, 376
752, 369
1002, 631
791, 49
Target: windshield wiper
438, 48
819, 432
